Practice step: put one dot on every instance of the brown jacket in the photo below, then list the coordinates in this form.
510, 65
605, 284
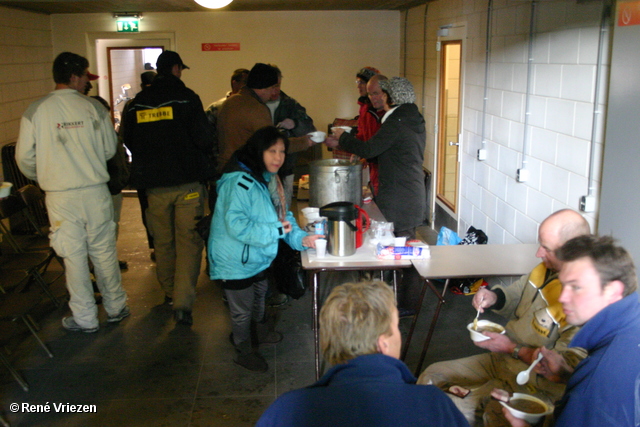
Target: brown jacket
240, 116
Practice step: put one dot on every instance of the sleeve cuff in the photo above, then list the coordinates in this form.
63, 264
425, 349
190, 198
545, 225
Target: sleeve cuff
501, 299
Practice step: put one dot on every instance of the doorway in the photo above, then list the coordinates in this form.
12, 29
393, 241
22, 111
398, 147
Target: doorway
449, 136
98, 45
125, 64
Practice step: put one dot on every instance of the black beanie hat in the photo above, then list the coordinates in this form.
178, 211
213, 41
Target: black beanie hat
262, 76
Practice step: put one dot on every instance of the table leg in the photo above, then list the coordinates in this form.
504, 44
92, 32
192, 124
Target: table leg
432, 327
415, 319
316, 322
395, 284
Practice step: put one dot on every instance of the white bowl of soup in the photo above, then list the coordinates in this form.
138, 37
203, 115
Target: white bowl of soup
317, 136
484, 326
527, 407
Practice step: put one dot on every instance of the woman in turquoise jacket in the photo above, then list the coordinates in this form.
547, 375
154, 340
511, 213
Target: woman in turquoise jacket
250, 217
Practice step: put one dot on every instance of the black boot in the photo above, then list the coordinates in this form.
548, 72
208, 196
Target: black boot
249, 359
264, 333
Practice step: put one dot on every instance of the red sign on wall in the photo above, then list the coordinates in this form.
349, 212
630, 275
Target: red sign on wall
217, 47
628, 13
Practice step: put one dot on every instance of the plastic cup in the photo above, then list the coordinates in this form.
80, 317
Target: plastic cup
399, 241
321, 248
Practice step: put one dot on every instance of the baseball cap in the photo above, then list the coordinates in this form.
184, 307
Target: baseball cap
92, 76
168, 59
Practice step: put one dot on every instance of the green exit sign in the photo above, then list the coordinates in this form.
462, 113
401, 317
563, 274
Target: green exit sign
128, 25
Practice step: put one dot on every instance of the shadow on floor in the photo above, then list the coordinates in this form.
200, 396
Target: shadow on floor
146, 371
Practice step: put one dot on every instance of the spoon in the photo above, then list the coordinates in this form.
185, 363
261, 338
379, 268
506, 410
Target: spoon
523, 377
475, 321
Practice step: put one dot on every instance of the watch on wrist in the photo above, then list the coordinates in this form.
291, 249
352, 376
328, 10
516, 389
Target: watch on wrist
516, 352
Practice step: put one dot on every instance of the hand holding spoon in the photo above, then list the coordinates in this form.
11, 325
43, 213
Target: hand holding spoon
523, 377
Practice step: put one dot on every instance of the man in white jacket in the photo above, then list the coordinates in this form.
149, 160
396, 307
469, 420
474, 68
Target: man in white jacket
65, 141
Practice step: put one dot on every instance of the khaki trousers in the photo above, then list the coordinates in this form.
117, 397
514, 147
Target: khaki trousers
171, 217
481, 374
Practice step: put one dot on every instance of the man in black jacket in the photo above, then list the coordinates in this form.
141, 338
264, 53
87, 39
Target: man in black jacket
171, 143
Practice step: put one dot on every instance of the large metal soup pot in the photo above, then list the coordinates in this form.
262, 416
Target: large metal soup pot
335, 180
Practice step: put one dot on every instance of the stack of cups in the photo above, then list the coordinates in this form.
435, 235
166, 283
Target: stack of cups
311, 214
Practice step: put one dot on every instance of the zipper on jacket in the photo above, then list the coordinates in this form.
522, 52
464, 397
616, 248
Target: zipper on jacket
245, 254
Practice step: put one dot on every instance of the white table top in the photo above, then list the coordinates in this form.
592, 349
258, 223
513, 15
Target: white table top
363, 259
477, 260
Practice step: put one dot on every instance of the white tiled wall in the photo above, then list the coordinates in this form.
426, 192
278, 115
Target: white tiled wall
561, 110
25, 66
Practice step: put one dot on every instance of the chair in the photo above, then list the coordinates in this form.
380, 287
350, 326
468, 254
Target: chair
13, 280
14, 307
7, 331
33, 198
18, 271
24, 232
34, 262
10, 167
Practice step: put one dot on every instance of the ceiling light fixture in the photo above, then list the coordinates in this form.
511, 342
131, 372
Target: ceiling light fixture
213, 4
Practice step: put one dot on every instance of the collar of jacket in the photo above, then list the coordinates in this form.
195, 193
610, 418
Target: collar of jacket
167, 80
376, 365
246, 91
601, 328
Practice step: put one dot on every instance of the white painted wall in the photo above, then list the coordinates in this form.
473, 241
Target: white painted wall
561, 109
25, 66
319, 66
318, 52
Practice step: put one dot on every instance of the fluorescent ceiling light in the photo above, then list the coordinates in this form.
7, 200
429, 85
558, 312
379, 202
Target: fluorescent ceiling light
213, 4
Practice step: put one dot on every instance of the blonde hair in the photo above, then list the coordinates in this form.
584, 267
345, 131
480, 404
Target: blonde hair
353, 317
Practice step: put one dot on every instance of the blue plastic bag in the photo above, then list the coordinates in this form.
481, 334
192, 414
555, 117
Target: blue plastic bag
447, 237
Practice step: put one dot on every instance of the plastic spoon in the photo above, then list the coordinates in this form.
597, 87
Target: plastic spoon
475, 321
523, 377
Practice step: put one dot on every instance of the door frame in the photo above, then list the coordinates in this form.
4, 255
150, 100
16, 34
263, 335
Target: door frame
457, 31
98, 42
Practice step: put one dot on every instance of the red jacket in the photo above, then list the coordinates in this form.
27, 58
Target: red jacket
368, 125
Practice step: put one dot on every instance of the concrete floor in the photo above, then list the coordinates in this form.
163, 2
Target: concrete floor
146, 371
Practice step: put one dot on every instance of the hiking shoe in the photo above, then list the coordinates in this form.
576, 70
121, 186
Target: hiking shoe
278, 300
70, 324
270, 337
405, 312
252, 361
118, 317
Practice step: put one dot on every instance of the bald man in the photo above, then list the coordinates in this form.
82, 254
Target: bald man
535, 319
